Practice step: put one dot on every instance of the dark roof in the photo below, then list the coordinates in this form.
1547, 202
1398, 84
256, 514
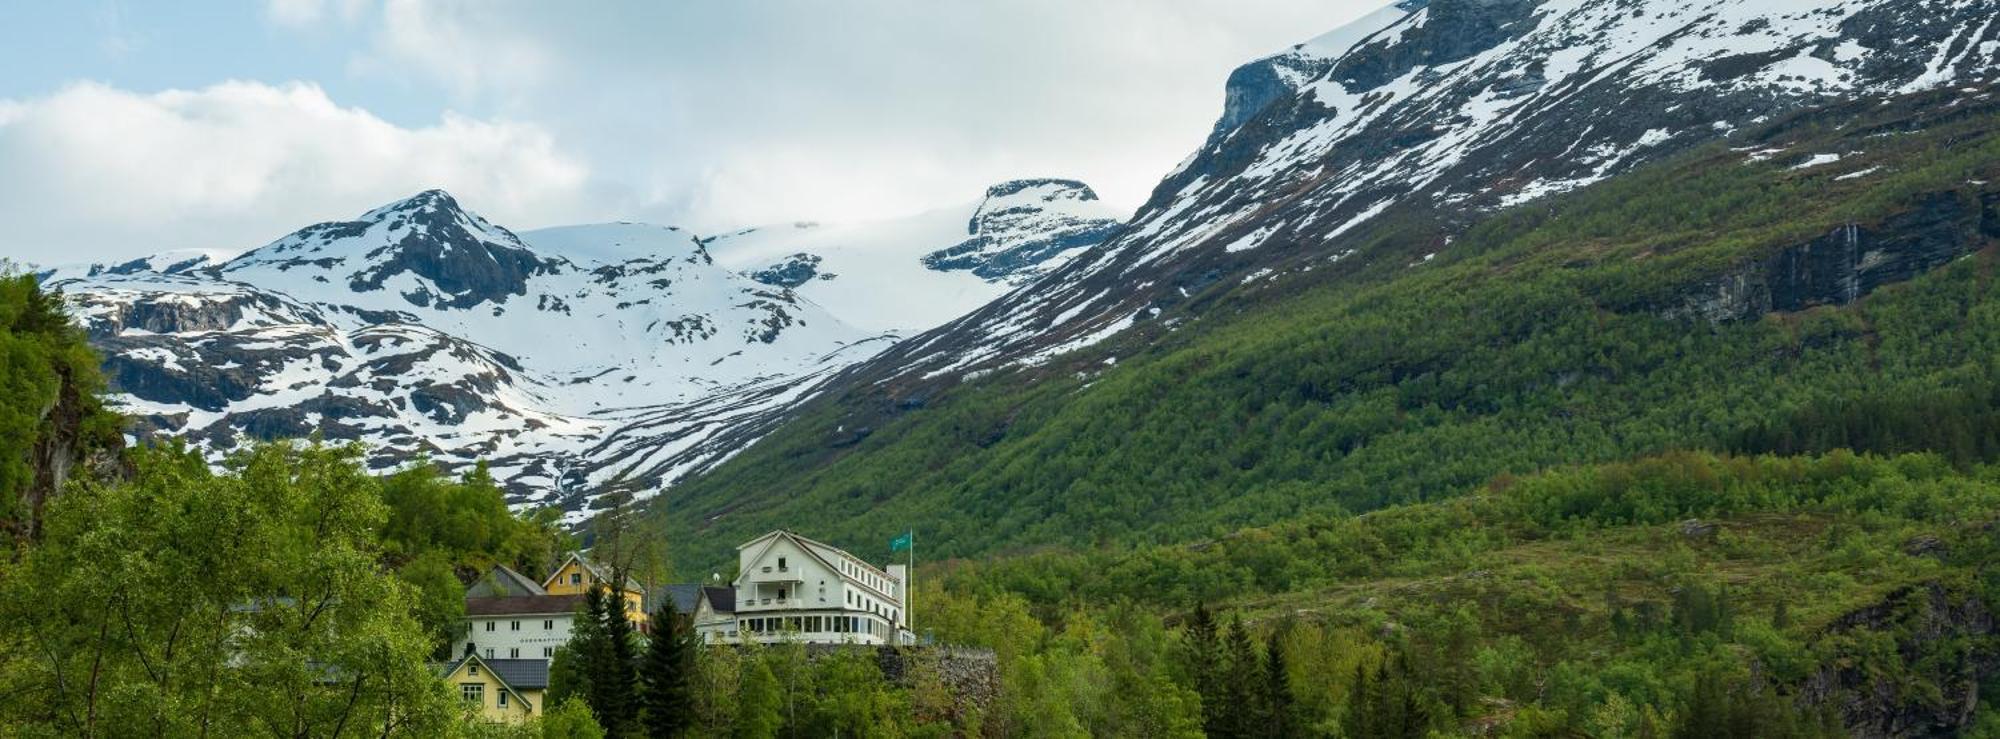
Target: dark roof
723, 600
685, 597
502, 581
522, 605
521, 674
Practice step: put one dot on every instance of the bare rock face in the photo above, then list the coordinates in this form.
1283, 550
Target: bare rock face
1021, 225
1942, 637
1849, 262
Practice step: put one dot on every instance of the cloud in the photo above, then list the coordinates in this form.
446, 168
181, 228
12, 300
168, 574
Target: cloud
728, 114
705, 115
93, 172
462, 43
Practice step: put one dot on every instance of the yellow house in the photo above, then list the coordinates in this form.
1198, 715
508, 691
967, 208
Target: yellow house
576, 575
500, 690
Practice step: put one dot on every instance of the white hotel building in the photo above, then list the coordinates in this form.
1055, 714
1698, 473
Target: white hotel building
791, 588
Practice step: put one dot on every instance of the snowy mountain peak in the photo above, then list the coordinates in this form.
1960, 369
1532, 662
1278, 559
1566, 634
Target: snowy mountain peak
569, 358
1026, 227
425, 248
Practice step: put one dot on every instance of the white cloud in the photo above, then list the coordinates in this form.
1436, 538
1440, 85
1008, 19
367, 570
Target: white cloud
93, 172
462, 43
729, 114
707, 115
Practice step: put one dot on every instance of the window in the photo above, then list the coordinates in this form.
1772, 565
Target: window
781, 564
472, 692
515, 626
500, 699
548, 651
489, 625
489, 653
513, 653
472, 670
576, 578
549, 624
781, 593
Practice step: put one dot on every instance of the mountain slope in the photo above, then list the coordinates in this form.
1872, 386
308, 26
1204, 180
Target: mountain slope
574, 359
1455, 107
1680, 305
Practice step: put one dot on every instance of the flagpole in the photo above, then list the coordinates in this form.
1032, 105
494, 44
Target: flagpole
910, 584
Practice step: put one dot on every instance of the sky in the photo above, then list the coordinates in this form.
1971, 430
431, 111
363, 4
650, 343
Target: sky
131, 128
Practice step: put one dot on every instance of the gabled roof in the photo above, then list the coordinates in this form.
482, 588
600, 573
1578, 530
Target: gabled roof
515, 675
631, 585
523, 605
686, 598
721, 600
817, 550
522, 674
504, 581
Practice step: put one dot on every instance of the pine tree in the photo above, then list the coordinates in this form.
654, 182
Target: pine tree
617, 677
1203, 657
667, 674
1242, 676
1277, 698
589, 650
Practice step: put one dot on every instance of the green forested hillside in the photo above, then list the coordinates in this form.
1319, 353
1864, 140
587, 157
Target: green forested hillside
1689, 595
1555, 333
50, 415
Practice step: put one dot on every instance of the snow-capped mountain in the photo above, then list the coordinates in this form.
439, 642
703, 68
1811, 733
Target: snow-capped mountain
914, 273
1449, 109
571, 358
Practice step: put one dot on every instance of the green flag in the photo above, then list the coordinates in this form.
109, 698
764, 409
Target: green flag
903, 542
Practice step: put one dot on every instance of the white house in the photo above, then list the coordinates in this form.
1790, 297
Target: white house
511, 617
791, 588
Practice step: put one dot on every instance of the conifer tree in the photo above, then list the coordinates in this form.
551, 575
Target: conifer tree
1242, 676
616, 681
1202, 649
1277, 699
667, 674
588, 651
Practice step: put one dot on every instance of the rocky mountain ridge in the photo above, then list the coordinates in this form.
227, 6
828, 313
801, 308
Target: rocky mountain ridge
1455, 108
573, 359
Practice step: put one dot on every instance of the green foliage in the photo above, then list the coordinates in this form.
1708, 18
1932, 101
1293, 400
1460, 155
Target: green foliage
466, 521
184, 602
600, 664
1600, 600
569, 719
667, 673
49, 386
762, 705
